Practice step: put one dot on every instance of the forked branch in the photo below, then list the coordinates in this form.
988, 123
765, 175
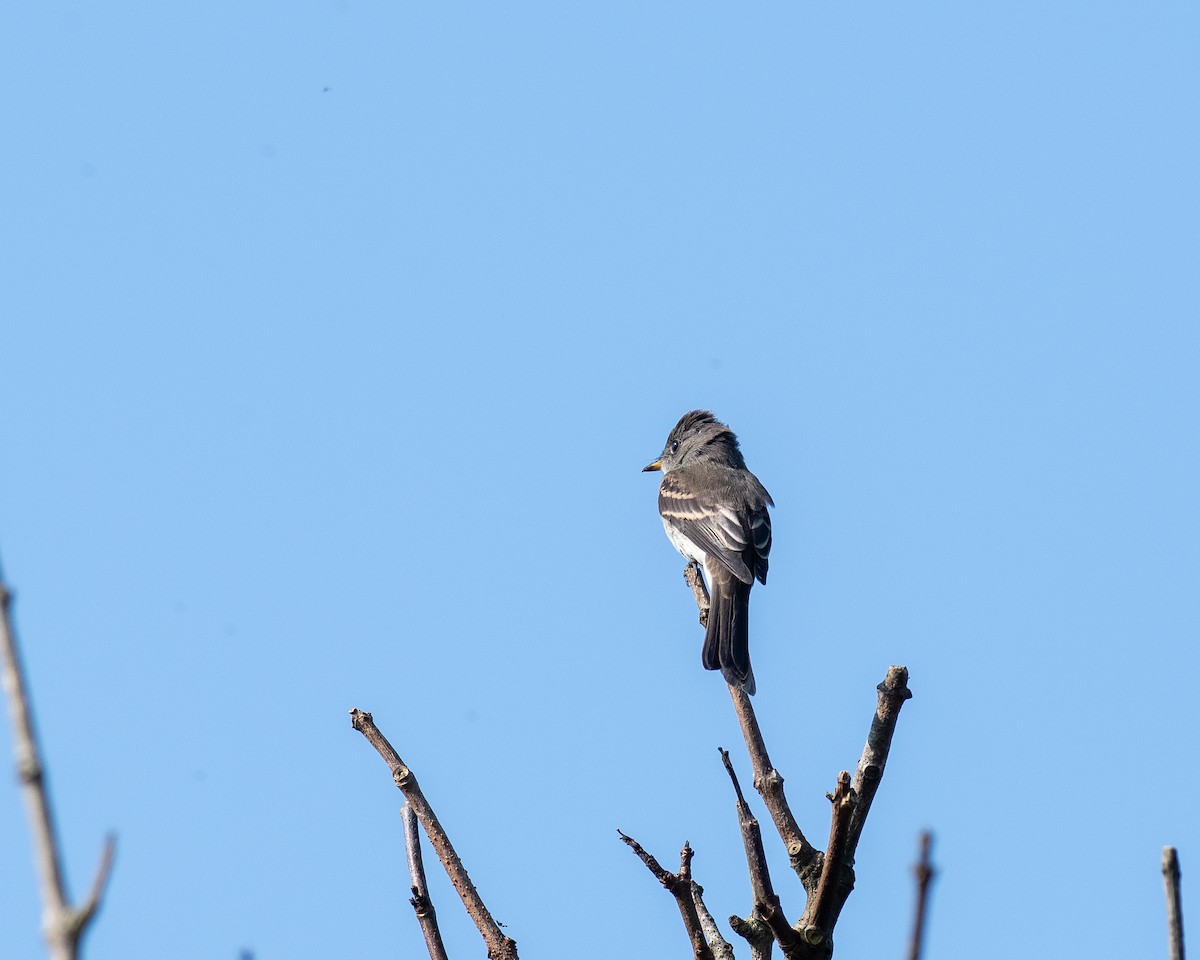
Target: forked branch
767, 916
891, 695
821, 906
827, 877
499, 946
803, 856
426, 915
685, 890
64, 925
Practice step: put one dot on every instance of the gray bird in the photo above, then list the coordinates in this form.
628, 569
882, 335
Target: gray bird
715, 513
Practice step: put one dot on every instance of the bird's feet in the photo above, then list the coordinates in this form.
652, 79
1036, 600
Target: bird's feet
695, 579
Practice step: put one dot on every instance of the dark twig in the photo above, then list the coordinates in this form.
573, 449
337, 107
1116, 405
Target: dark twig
426, 915
804, 857
681, 886
924, 872
695, 580
767, 780
63, 925
891, 694
499, 946
827, 877
827, 883
820, 913
1171, 881
766, 900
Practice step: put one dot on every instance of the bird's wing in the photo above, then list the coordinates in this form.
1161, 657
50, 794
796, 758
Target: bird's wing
760, 533
714, 527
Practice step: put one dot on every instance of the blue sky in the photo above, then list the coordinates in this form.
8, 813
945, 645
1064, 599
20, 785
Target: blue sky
336, 335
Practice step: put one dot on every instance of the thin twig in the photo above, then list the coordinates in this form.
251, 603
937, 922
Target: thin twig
804, 857
924, 871
819, 915
426, 915
499, 946
768, 781
1172, 876
681, 886
766, 900
63, 925
100, 880
891, 695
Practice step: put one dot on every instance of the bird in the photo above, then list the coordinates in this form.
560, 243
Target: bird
714, 511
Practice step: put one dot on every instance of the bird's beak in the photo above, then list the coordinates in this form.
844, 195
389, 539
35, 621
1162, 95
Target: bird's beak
656, 465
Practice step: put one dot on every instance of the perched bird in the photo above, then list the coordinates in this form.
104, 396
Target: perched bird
715, 513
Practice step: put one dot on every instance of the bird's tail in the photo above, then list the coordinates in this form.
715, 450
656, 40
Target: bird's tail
727, 637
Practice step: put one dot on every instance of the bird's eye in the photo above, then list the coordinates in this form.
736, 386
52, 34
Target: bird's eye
674, 446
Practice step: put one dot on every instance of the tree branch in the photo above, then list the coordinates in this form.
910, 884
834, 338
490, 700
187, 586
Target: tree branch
754, 930
820, 913
63, 925
99, 882
804, 857
827, 878
767, 908
426, 915
924, 872
891, 695
499, 946
681, 886
721, 948
1171, 881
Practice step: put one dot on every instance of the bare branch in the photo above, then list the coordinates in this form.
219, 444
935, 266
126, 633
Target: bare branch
499, 946
821, 912
721, 948
29, 767
924, 872
99, 882
754, 930
63, 925
809, 863
681, 886
892, 693
804, 857
766, 901
426, 915
1171, 881
768, 781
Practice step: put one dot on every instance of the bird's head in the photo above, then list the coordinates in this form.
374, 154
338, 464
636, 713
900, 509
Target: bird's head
698, 436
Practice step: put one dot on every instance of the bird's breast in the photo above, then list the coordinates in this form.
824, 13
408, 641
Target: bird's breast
682, 543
